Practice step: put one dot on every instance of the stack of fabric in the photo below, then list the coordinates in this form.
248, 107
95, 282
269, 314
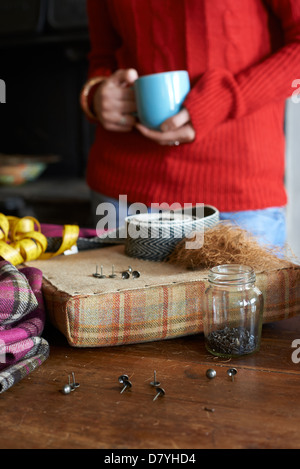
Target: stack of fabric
22, 320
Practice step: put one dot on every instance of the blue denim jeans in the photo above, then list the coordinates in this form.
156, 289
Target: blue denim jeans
267, 225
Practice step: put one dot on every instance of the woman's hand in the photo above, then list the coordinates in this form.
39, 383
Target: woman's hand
175, 130
114, 101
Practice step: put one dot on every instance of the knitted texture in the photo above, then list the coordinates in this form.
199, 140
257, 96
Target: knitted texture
242, 58
22, 320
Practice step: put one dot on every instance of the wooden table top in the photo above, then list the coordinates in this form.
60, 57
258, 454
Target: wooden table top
259, 409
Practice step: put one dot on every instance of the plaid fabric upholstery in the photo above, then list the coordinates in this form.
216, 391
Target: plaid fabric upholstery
157, 312
22, 319
126, 317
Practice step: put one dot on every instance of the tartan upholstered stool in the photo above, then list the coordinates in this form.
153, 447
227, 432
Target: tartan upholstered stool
163, 303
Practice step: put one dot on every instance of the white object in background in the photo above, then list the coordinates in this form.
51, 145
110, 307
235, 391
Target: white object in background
293, 175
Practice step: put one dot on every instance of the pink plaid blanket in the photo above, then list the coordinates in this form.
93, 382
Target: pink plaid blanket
22, 320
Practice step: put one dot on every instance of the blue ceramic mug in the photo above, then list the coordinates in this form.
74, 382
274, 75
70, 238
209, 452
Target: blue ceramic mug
160, 96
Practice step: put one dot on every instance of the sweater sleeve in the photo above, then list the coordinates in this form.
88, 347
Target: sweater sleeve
219, 95
104, 39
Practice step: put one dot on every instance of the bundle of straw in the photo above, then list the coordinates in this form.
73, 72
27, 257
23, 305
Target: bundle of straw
228, 244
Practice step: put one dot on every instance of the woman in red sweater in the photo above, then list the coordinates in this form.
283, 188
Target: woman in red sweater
242, 58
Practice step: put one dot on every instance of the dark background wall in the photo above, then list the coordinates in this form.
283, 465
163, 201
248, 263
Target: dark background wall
44, 67
43, 60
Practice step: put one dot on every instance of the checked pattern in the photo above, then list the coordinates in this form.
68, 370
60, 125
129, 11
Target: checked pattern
22, 319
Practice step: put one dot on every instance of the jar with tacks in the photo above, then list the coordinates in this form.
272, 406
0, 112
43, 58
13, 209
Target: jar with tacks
232, 311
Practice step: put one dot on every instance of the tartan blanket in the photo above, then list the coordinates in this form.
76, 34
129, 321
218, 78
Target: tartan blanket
22, 320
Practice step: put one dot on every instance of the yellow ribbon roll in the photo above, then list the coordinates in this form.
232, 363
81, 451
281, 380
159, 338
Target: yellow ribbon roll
21, 239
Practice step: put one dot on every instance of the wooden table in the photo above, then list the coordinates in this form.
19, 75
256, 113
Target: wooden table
259, 409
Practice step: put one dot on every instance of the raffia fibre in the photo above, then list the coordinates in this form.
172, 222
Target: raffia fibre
228, 244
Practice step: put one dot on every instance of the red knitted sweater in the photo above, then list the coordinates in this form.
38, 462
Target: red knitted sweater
242, 57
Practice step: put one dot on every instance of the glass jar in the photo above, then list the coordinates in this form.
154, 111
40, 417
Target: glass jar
233, 311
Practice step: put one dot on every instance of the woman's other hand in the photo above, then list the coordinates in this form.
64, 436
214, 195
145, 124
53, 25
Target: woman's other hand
175, 130
114, 101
